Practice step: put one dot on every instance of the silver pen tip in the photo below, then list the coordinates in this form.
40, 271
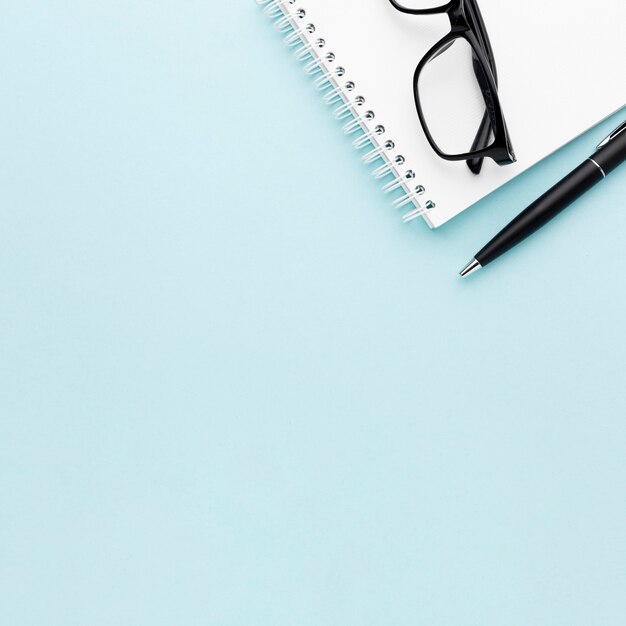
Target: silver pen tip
470, 268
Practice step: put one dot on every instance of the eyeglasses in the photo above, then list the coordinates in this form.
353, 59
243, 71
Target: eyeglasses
456, 88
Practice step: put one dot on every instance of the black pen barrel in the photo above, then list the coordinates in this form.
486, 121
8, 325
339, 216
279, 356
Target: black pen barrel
549, 205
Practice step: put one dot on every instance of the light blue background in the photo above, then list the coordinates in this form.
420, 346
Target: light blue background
236, 390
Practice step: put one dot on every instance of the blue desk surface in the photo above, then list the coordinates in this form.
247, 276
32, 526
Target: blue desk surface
236, 390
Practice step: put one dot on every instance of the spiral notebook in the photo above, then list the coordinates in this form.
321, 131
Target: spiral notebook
560, 67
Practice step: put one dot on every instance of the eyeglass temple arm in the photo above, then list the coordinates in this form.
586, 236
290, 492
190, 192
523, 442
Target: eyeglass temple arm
481, 140
484, 130
476, 15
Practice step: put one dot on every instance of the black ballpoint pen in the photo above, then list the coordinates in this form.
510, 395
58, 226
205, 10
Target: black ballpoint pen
610, 153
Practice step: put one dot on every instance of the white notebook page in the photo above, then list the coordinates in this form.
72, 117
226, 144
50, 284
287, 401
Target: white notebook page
561, 69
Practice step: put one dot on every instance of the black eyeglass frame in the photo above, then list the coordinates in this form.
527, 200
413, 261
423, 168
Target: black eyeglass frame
466, 22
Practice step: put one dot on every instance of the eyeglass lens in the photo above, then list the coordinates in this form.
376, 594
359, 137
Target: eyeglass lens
452, 101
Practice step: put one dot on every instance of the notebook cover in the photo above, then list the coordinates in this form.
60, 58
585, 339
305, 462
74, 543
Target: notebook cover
560, 66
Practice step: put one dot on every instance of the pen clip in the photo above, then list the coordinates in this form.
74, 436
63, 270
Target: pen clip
615, 133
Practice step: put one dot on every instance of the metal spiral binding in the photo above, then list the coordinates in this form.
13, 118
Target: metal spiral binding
320, 64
